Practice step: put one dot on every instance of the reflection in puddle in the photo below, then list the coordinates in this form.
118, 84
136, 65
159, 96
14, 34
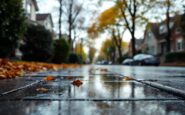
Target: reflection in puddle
95, 87
94, 108
110, 87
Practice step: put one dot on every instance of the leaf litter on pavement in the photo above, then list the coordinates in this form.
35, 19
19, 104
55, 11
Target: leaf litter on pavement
11, 69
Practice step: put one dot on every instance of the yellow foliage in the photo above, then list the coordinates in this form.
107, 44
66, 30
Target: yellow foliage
79, 49
108, 17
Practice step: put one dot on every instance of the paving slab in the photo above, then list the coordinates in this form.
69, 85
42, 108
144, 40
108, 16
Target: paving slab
99, 94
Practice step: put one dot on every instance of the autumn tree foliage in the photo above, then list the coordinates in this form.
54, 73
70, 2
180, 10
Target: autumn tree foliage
107, 51
12, 26
79, 49
37, 44
128, 14
106, 20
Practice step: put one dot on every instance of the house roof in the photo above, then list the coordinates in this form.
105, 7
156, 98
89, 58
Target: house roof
36, 5
43, 17
155, 27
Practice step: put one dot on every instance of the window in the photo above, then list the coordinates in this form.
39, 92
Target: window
149, 34
179, 44
162, 29
29, 8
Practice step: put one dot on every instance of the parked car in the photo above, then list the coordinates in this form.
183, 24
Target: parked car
128, 61
103, 62
145, 59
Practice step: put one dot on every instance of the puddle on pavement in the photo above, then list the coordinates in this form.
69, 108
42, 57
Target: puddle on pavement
106, 87
91, 108
103, 87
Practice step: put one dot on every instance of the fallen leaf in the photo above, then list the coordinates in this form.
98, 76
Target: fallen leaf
11, 69
77, 83
126, 78
49, 78
43, 90
104, 70
70, 77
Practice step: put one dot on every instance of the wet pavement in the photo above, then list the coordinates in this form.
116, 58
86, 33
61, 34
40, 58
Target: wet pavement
102, 93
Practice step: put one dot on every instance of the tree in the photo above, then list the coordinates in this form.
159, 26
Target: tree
38, 44
107, 51
61, 51
72, 9
108, 21
60, 18
79, 49
133, 13
12, 26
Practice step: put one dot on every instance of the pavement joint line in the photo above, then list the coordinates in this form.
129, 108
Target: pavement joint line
20, 88
94, 99
171, 90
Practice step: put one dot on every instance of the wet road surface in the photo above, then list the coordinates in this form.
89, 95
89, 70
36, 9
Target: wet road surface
102, 93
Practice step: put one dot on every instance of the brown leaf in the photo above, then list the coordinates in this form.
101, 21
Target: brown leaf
77, 83
104, 70
43, 90
49, 78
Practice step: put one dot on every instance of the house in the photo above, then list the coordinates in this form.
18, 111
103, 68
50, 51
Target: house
150, 43
45, 20
155, 34
31, 7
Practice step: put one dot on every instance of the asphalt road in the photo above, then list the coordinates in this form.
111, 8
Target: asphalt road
102, 92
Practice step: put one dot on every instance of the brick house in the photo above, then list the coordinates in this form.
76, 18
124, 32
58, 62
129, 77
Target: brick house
155, 33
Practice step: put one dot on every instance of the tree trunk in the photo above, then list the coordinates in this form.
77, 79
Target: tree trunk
168, 42
60, 19
133, 45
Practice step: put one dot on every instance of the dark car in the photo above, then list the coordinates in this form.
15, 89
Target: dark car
145, 59
128, 61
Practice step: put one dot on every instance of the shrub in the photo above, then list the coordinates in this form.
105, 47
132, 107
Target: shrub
61, 51
38, 44
12, 26
74, 58
175, 57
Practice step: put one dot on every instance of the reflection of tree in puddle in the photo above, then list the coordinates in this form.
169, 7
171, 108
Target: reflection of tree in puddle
116, 86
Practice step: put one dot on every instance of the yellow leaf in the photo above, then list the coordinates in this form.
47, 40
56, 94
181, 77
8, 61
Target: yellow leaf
128, 78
